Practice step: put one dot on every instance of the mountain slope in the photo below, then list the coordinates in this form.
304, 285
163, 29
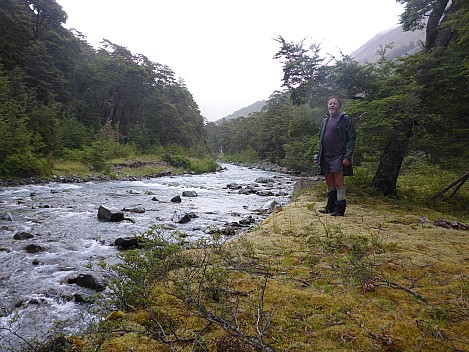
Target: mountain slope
403, 43
246, 111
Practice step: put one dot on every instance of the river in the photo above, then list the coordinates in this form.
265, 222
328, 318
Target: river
66, 238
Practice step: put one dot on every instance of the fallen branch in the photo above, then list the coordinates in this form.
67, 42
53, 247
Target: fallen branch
400, 287
458, 183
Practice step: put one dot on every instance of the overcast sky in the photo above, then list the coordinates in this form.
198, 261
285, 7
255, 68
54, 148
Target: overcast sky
223, 49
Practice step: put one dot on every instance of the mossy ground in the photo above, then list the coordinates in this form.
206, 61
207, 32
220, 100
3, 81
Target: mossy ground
377, 279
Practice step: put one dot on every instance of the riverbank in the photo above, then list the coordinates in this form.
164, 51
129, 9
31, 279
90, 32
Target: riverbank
381, 278
133, 169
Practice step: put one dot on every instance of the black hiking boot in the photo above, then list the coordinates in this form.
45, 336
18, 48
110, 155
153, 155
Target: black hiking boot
339, 209
330, 205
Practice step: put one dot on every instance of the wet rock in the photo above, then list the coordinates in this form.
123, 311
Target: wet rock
228, 231
34, 248
233, 186
247, 221
264, 180
155, 199
265, 193
281, 193
22, 236
110, 214
189, 194
88, 281
137, 210
126, 243
176, 199
37, 262
183, 218
249, 189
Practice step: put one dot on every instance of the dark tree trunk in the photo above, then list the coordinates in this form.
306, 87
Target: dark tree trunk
438, 36
386, 175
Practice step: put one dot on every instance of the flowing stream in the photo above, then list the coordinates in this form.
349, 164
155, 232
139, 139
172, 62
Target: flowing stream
58, 223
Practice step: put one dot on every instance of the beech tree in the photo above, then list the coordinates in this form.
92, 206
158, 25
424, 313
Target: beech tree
434, 16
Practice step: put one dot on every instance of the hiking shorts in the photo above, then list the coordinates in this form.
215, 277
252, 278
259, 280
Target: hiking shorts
331, 164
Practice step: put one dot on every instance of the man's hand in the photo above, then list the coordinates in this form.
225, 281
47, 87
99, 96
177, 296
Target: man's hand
346, 162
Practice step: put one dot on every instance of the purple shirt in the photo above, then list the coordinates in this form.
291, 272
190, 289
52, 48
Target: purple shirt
331, 145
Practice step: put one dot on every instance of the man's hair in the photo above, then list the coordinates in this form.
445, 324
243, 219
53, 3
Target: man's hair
334, 97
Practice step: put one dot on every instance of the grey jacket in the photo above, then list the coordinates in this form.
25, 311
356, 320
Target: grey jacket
347, 137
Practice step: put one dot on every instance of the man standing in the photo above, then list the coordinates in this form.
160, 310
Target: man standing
334, 155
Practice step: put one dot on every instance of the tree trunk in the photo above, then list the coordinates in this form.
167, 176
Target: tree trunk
386, 175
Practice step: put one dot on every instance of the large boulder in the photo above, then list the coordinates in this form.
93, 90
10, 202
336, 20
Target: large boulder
110, 214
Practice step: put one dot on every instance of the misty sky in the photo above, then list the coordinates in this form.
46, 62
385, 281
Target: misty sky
223, 49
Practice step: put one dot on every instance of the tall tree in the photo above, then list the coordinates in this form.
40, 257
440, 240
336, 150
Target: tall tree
433, 16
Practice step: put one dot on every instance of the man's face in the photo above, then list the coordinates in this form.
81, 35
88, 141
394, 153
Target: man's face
333, 106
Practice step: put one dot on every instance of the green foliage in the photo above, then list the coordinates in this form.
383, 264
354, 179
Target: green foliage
140, 269
178, 161
280, 133
246, 156
24, 165
57, 93
194, 165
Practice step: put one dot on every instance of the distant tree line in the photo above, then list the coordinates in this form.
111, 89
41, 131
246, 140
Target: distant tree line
414, 105
60, 97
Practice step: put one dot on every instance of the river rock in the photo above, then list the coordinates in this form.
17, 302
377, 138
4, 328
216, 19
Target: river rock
189, 194
126, 243
22, 236
249, 189
264, 180
183, 219
34, 248
88, 281
176, 199
110, 214
265, 193
137, 210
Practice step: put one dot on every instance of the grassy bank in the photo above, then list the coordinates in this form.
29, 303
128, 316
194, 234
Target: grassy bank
386, 277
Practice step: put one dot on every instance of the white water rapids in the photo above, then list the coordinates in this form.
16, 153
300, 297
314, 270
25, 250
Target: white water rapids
62, 218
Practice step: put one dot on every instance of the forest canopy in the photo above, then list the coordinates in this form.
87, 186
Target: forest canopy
60, 97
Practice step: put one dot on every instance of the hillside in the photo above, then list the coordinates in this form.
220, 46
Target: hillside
246, 111
402, 43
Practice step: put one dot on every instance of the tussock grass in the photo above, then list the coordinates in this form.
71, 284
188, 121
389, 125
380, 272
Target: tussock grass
378, 279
